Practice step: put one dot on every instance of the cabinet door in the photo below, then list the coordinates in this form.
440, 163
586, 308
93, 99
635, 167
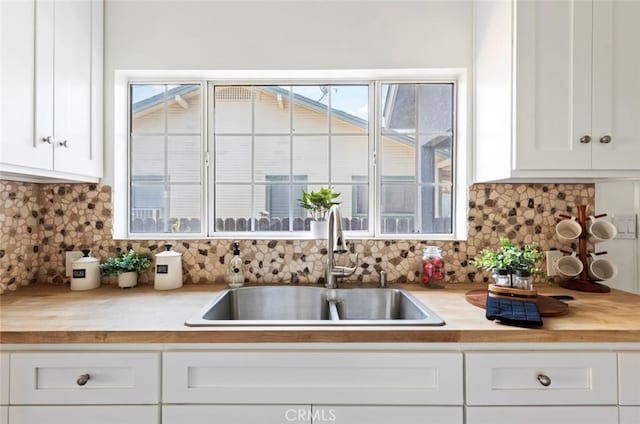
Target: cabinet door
629, 414
616, 85
553, 84
236, 414
75, 35
542, 414
20, 143
4, 415
341, 414
4, 378
84, 414
628, 378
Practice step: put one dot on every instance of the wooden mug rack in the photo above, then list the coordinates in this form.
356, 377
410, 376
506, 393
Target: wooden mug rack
584, 282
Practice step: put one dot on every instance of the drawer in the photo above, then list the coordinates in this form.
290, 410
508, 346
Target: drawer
542, 414
4, 415
306, 377
629, 414
518, 378
131, 414
348, 414
629, 368
55, 378
4, 378
236, 414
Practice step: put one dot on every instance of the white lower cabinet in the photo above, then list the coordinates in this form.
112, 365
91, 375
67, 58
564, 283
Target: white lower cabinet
4, 378
236, 414
4, 415
629, 378
129, 414
354, 414
542, 414
313, 377
629, 414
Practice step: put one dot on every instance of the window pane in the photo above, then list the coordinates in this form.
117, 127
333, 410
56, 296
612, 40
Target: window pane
147, 208
184, 207
183, 109
349, 157
436, 107
147, 157
311, 157
271, 106
147, 108
354, 206
271, 156
233, 208
271, 205
233, 159
423, 157
350, 108
311, 111
398, 156
398, 108
184, 158
232, 109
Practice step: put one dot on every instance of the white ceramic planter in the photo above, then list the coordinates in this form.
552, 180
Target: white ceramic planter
128, 279
319, 229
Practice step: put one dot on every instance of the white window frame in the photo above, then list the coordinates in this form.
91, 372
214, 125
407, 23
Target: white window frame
461, 154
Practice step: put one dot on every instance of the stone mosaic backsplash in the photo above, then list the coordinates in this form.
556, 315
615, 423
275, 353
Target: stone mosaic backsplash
40, 222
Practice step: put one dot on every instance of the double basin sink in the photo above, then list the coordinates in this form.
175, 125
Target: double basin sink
303, 305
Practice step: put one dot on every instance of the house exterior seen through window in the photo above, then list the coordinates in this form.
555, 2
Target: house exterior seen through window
265, 144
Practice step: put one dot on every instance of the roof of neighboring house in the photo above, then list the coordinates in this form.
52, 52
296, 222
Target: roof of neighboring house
297, 99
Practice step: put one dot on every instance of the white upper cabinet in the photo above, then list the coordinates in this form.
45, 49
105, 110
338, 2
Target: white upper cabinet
51, 116
556, 89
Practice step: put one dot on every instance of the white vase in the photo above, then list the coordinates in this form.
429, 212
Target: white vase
319, 229
128, 279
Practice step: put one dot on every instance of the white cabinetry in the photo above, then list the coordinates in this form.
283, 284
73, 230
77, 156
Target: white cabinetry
629, 387
556, 89
547, 415
75, 387
236, 414
353, 414
51, 89
4, 388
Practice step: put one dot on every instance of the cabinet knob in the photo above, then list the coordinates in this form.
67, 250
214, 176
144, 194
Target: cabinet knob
48, 140
64, 144
544, 380
82, 380
585, 139
605, 139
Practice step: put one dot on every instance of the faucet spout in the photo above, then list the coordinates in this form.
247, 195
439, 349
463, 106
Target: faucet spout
336, 244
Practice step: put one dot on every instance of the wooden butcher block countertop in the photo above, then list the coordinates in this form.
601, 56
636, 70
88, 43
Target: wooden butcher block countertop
54, 314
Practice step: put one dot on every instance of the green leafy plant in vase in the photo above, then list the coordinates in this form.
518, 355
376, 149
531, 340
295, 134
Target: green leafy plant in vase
511, 265
317, 204
127, 266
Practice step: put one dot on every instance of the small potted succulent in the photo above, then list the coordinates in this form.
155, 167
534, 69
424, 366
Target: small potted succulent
317, 204
127, 265
510, 260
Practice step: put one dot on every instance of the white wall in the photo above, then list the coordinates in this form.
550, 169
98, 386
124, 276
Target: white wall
613, 198
306, 34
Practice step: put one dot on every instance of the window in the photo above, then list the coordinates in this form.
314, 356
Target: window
273, 142
265, 144
165, 173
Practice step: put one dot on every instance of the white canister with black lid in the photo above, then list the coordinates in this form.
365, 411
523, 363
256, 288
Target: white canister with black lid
85, 272
168, 270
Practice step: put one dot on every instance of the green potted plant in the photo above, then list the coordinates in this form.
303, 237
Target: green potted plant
509, 260
317, 204
127, 265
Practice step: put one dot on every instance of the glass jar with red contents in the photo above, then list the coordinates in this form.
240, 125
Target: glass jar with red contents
432, 274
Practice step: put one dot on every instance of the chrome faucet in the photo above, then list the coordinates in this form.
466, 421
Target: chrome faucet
336, 244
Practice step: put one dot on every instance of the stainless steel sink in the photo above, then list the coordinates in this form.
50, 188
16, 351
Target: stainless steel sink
302, 305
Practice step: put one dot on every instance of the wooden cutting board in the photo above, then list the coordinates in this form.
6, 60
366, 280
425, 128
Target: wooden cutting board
547, 306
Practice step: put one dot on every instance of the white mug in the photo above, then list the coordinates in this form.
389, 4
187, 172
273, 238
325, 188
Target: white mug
569, 266
602, 269
568, 230
601, 230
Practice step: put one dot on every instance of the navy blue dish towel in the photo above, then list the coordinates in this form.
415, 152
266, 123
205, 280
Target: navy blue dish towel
513, 312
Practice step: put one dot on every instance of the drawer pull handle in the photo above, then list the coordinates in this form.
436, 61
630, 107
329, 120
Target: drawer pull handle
544, 380
605, 139
82, 380
585, 139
